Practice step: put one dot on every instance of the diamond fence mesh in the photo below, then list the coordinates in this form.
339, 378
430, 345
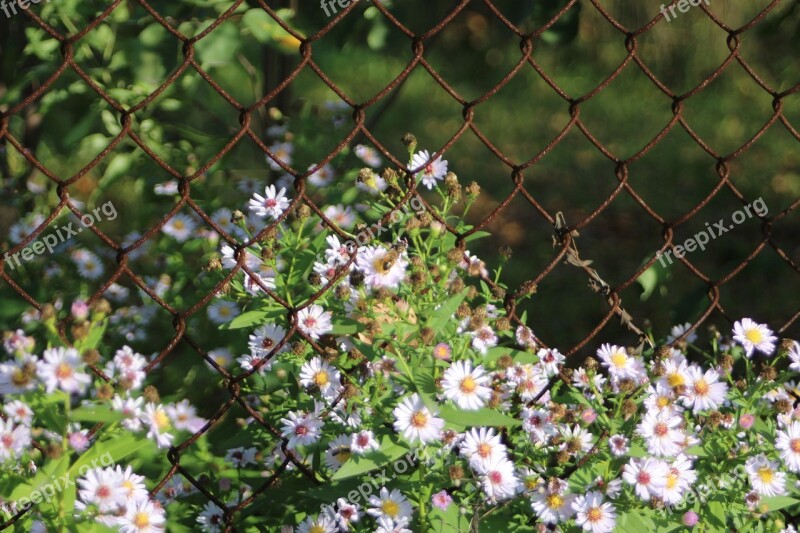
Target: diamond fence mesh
564, 234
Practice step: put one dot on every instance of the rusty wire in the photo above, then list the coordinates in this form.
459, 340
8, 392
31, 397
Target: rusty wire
566, 250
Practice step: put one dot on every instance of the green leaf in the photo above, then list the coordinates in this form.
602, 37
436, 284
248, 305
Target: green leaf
444, 313
108, 450
481, 417
250, 319
361, 464
775, 503
95, 413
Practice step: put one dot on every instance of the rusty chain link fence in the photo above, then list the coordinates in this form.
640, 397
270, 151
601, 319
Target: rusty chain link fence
366, 115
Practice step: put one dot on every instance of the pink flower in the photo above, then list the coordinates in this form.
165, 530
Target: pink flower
690, 519
589, 415
442, 500
442, 351
746, 421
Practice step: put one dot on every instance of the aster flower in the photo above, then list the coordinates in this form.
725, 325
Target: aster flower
131, 408
483, 338
222, 311
551, 361
552, 504
272, 204
282, 152
180, 227
158, 425
62, 368
302, 429
660, 431
704, 390
346, 513
392, 505
480, 445
648, 476
754, 337
788, 442
765, 478
18, 412
317, 373
575, 439
144, 516
620, 365
442, 500
594, 515
415, 421
363, 442
538, 424
368, 155
314, 321
618, 444
322, 176
14, 440
184, 416
102, 488
342, 216
211, 519
466, 386
498, 478
431, 171
382, 267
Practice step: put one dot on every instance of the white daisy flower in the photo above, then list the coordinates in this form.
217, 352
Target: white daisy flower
660, 431
392, 505
88, 264
338, 452
221, 356
168, 188
415, 421
318, 373
704, 391
102, 488
498, 478
249, 362
314, 321
272, 204
661, 397
158, 424
321, 524
593, 515
575, 439
525, 337
180, 227
680, 476
552, 504
132, 484
212, 519
482, 339
281, 151
764, 476
301, 428
538, 424
18, 344
368, 155
131, 408
382, 267
679, 330
754, 337
321, 177
346, 513
387, 525
551, 361
676, 373
62, 368
14, 440
618, 444
264, 340
222, 311
788, 442
465, 386
648, 476
241, 457
144, 516
363, 442
480, 445
18, 412
184, 416
342, 216
431, 171
616, 359
794, 356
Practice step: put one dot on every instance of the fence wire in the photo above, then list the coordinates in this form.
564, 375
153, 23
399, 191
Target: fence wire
564, 235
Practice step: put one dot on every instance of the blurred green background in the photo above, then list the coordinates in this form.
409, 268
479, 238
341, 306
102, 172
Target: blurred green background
130, 55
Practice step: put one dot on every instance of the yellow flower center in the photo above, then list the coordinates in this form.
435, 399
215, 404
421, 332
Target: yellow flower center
662, 401
754, 335
63, 371
419, 420
141, 520
794, 444
484, 450
675, 380
321, 378
390, 508
468, 385
316, 528
765, 473
161, 420
554, 501
701, 387
594, 514
619, 359
672, 481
